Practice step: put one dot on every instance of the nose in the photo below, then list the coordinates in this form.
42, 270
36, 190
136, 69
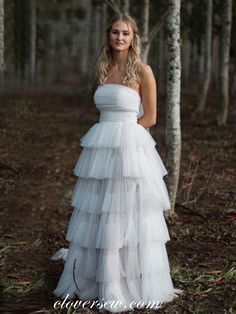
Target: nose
120, 35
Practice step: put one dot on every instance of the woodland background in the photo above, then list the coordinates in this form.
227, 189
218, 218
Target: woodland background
57, 41
47, 53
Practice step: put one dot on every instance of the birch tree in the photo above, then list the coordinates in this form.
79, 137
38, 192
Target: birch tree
145, 30
146, 36
207, 48
215, 61
97, 21
124, 6
186, 47
224, 62
162, 60
104, 17
1, 40
173, 129
86, 40
32, 5
114, 6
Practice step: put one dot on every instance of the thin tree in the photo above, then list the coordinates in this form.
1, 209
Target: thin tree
112, 5
1, 40
145, 29
146, 36
32, 5
125, 6
186, 46
86, 40
98, 24
206, 49
224, 62
173, 128
104, 17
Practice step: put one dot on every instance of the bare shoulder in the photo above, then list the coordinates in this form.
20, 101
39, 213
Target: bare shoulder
147, 78
145, 71
148, 93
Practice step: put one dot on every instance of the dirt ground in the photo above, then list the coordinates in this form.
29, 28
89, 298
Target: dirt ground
39, 147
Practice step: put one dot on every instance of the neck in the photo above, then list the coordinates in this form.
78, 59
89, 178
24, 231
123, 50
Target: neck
120, 59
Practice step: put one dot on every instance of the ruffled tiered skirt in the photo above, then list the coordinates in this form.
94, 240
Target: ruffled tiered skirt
117, 231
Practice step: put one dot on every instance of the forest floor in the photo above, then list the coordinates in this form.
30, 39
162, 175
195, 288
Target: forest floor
39, 146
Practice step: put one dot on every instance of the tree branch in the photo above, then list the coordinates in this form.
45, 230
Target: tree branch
157, 27
6, 167
112, 5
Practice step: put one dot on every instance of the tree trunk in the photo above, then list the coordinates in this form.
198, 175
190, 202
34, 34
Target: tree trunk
186, 50
86, 44
162, 61
104, 18
124, 6
207, 63
32, 5
146, 36
173, 130
50, 52
98, 19
145, 30
186, 58
224, 62
1, 40
215, 62
95, 31
201, 61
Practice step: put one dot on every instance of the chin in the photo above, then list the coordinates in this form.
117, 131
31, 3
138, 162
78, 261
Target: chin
120, 48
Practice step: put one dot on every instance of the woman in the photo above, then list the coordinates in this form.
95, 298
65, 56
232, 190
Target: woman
117, 231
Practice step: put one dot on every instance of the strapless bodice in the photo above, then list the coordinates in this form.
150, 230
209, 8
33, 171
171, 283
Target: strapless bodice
117, 102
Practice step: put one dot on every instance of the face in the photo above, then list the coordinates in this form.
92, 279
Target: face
121, 36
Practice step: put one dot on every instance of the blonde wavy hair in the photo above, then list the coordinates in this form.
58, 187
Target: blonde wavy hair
105, 60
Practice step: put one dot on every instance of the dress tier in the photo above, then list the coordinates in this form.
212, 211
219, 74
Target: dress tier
117, 231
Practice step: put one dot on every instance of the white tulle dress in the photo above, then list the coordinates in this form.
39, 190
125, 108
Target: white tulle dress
117, 231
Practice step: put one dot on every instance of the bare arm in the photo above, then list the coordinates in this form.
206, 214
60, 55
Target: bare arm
149, 97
